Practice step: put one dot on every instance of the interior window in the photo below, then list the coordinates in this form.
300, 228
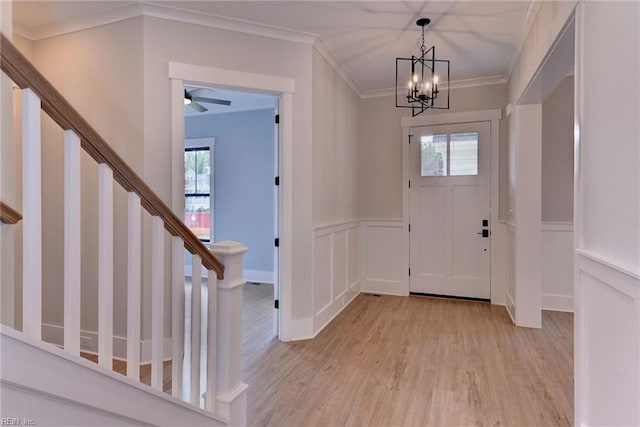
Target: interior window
197, 191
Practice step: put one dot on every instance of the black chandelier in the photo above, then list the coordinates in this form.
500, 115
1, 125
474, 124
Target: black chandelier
423, 87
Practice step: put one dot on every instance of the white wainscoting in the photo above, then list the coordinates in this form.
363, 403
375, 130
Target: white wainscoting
336, 270
382, 261
607, 329
511, 271
557, 266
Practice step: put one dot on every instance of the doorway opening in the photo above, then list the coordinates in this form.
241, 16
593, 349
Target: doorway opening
231, 164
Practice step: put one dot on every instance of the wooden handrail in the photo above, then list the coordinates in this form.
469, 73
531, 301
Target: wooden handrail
25, 75
8, 215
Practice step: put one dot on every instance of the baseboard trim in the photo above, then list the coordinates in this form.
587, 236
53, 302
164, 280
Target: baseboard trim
553, 302
258, 276
338, 306
54, 334
301, 329
384, 287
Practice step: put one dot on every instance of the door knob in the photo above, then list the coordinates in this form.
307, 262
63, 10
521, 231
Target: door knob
485, 233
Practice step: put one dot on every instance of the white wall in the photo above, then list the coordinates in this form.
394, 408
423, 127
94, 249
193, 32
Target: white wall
336, 155
168, 41
380, 181
557, 266
557, 154
380, 137
607, 225
557, 198
336, 229
103, 82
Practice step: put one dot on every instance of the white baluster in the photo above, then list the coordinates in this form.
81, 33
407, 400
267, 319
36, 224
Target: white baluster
212, 305
133, 285
196, 319
105, 266
32, 215
177, 316
72, 253
157, 302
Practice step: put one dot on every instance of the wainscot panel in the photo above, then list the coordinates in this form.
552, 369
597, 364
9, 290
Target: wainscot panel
557, 266
336, 270
382, 261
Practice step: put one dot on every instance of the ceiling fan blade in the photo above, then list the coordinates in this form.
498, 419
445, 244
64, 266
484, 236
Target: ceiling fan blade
196, 106
211, 100
200, 91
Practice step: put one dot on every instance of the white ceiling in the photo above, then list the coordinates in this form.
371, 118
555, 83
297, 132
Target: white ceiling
479, 37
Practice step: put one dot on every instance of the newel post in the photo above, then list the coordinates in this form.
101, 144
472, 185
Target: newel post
231, 396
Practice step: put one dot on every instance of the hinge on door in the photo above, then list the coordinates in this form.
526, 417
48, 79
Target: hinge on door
276, 304
409, 271
277, 180
277, 118
410, 136
277, 242
409, 183
409, 228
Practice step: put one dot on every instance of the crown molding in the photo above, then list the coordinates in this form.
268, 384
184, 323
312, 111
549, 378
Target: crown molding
74, 24
454, 84
323, 49
521, 37
171, 13
177, 14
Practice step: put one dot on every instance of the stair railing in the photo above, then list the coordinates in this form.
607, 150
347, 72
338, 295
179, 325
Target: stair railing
38, 94
8, 215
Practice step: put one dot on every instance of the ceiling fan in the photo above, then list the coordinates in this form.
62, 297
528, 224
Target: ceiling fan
193, 98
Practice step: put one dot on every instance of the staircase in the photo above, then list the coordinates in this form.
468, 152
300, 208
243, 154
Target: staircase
46, 384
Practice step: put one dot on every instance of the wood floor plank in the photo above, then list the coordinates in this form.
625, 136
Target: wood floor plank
415, 361
406, 361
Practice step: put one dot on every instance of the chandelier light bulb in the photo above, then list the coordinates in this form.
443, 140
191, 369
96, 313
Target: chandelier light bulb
435, 79
415, 78
187, 101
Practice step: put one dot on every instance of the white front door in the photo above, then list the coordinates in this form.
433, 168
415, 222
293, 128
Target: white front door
449, 209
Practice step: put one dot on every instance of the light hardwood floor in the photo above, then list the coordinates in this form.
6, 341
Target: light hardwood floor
388, 361
398, 361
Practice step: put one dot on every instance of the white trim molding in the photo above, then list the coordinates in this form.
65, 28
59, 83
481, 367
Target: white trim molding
336, 270
283, 87
498, 231
383, 259
451, 118
325, 51
53, 334
121, 12
557, 266
258, 276
607, 334
54, 387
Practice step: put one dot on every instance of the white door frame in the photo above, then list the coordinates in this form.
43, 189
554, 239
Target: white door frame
498, 229
280, 86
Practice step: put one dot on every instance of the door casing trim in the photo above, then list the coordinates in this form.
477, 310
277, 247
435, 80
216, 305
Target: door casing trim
498, 230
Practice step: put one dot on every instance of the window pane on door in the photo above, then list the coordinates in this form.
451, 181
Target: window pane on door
197, 214
433, 155
464, 154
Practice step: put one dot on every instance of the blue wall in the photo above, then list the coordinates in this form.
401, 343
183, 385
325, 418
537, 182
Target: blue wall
243, 179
